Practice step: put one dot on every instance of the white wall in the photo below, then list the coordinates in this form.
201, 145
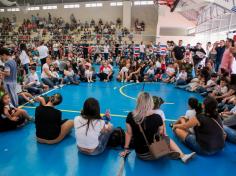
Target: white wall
173, 20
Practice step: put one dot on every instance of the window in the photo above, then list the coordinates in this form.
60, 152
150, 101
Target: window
49, 7
13, 10
33, 8
136, 3
71, 6
113, 4
2, 10
94, 5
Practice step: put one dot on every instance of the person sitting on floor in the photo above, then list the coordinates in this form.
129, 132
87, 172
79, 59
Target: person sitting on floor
229, 121
194, 110
47, 77
50, 128
105, 72
33, 84
91, 131
152, 125
11, 117
208, 137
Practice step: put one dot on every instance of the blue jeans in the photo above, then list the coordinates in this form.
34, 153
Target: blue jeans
231, 134
26, 68
191, 142
180, 82
71, 79
103, 140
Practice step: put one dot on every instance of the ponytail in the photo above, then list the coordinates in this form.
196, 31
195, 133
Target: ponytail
210, 104
194, 104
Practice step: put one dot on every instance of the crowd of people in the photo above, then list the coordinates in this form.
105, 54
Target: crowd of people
204, 128
57, 28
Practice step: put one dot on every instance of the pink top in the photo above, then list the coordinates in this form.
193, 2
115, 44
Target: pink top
227, 60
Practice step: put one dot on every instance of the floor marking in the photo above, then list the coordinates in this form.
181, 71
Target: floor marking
127, 96
74, 111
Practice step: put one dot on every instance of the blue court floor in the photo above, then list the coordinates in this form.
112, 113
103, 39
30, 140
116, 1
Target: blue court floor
21, 155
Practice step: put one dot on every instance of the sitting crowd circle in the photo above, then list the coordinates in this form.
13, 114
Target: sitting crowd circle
204, 128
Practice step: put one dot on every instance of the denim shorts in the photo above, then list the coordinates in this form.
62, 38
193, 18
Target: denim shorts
191, 142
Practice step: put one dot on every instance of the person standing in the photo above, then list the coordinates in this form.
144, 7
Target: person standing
106, 51
227, 58
24, 58
142, 48
220, 51
10, 75
43, 53
178, 52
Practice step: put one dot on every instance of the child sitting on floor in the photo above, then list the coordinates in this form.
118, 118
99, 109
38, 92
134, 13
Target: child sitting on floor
158, 101
195, 108
12, 114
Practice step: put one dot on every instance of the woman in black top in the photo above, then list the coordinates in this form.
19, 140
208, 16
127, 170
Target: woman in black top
50, 128
152, 125
208, 137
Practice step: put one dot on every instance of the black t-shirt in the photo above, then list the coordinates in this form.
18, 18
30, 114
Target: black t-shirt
85, 48
179, 52
209, 135
150, 126
47, 122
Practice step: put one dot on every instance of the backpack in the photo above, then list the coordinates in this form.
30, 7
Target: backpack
117, 138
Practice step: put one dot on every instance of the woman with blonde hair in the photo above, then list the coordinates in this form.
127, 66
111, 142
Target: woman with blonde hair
152, 125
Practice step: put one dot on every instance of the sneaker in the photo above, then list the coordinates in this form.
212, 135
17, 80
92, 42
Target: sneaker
55, 87
137, 81
188, 157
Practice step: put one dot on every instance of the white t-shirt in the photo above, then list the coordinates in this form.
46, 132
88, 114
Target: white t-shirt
34, 78
158, 64
106, 48
43, 51
190, 113
124, 70
151, 71
44, 75
233, 68
210, 83
160, 113
142, 48
89, 140
182, 75
55, 47
170, 69
106, 70
24, 58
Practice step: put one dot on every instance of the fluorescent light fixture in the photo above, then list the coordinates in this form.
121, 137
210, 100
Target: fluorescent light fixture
13, 10
49, 7
137, 3
113, 4
2, 10
94, 5
33, 8
71, 6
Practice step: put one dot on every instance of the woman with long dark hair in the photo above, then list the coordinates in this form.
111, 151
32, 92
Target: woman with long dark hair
91, 131
208, 137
